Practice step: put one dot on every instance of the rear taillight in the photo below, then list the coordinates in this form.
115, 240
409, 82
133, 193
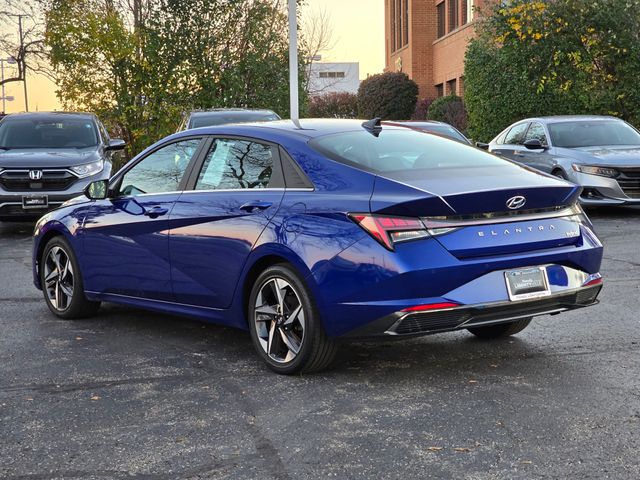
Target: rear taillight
390, 230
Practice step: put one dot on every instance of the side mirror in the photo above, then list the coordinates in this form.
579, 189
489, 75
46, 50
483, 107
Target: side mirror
116, 144
534, 144
98, 190
483, 146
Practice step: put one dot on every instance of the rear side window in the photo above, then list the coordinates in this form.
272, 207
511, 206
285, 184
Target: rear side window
516, 134
398, 150
233, 164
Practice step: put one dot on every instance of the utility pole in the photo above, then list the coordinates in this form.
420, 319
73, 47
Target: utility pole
24, 62
4, 102
293, 61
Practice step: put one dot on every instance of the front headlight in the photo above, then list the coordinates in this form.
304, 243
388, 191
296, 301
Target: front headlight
594, 170
88, 169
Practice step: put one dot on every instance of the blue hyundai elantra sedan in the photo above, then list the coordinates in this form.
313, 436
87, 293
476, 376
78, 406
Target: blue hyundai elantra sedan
304, 233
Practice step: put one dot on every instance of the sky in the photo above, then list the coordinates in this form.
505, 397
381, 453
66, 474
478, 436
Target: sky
357, 36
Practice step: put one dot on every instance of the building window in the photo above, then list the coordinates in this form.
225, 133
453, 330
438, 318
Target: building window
451, 87
453, 14
399, 24
441, 24
469, 8
405, 22
440, 90
464, 12
392, 8
331, 74
461, 86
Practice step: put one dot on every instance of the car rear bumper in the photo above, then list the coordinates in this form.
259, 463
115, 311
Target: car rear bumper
404, 323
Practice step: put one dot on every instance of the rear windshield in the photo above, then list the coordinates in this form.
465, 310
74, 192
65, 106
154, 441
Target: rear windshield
592, 134
47, 133
398, 150
236, 117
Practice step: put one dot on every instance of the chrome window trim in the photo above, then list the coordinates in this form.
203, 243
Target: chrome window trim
278, 189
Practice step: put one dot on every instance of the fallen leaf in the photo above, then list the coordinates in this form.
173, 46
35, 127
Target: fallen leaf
435, 449
95, 397
29, 398
462, 449
526, 462
493, 365
78, 338
473, 381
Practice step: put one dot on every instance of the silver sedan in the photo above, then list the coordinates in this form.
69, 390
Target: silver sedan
601, 154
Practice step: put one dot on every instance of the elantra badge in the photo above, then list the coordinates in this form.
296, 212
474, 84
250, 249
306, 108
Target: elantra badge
516, 202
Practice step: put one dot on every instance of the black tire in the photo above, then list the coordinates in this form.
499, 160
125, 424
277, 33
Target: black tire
316, 350
77, 306
501, 330
560, 174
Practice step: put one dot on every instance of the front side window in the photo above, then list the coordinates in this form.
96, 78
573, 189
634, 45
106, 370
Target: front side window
536, 132
160, 171
234, 164
516, 134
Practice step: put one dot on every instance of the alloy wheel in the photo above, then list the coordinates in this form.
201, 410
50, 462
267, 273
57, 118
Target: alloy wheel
58, 278
279, 320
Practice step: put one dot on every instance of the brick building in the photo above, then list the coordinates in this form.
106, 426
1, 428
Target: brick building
427, 40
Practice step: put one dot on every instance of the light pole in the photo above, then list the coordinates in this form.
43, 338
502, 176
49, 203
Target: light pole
10, 61
293, 61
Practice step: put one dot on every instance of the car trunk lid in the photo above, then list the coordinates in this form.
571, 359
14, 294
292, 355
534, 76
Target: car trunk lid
476, 213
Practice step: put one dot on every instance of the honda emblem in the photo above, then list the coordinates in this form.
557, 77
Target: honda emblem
35, 174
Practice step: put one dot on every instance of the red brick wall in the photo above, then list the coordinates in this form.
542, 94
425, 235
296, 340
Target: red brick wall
428, 60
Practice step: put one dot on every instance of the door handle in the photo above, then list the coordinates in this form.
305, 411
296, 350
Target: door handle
251, 206
155, 212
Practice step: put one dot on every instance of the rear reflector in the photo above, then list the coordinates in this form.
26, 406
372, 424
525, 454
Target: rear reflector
593, 280
431, 306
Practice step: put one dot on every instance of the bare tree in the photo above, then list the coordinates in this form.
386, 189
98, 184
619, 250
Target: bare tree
22, 41
317, 37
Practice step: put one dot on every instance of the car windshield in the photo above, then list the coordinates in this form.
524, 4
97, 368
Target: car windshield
222, 118
592, 133
398, 150
47, 133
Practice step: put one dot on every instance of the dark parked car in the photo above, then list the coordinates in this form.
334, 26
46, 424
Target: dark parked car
48, 158
223, 116
335, 228
432, 126
601, 154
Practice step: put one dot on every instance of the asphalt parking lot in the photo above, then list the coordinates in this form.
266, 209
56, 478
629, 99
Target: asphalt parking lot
138, 395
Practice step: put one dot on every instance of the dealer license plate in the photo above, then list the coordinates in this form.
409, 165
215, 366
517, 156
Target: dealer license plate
527, 283
35, 201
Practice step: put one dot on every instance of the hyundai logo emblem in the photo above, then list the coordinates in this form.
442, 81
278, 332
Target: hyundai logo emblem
35, 174
516, 202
